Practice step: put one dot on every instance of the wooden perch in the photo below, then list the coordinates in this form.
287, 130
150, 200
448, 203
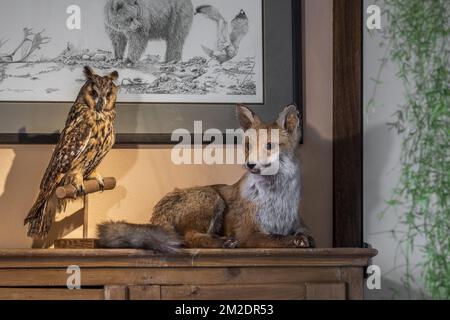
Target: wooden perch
69, 191
90, 186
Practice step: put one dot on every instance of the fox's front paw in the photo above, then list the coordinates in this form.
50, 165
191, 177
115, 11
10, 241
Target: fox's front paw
231, 243
303, 241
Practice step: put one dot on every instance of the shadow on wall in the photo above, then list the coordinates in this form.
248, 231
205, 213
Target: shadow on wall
317, 193
139, 173
378, 149
21, 188
381, 174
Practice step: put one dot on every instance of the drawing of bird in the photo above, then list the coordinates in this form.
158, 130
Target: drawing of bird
227, 45
85, 140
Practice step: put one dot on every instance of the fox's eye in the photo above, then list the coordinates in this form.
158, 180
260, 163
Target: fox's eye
269, 146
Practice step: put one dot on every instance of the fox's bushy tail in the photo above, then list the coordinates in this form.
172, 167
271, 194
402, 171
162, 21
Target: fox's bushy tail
139, 236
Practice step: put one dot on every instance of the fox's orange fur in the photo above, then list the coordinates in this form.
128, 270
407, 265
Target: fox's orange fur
258, 211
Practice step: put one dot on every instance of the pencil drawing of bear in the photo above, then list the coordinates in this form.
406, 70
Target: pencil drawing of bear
135, 22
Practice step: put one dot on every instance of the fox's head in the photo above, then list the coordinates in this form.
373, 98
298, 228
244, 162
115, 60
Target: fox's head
269, 146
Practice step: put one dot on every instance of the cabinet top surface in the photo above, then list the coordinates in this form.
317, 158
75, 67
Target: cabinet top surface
185, 257
318, 252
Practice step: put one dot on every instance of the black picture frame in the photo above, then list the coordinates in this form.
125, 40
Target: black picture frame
162, 138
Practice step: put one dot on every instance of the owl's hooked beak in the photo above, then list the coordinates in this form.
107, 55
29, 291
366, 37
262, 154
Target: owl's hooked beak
100, 104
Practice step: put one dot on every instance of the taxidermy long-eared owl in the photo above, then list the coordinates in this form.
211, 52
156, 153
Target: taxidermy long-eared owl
86, 139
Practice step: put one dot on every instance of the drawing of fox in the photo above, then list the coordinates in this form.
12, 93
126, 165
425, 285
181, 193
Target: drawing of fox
259, 211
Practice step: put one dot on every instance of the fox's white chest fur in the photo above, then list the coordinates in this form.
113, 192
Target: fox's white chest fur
277, 198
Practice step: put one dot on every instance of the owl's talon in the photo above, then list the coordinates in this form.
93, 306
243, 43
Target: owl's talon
101, 184
80, 190
97, 177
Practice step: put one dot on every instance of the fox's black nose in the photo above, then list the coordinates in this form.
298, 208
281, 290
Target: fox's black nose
251, 165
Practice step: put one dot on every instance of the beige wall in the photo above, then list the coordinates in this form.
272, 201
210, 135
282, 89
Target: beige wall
317, 152
145, 173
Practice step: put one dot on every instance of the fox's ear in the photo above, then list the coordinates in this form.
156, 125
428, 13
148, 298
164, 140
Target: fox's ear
288, 119
88, 72
246, 117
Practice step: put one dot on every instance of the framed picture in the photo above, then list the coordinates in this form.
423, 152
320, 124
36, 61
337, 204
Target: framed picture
179, 61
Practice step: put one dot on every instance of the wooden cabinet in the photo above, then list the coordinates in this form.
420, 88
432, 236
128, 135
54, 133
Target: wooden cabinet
251, 274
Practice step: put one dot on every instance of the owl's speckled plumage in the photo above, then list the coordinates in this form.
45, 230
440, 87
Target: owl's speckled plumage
86, 139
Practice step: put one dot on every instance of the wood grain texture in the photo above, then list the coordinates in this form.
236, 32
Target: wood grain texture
116, 292
50, 294
86, 216
234, 292
51, 277
335, 257
81, 243
190, 274
325, 291
144, 292
347, 123
354, 277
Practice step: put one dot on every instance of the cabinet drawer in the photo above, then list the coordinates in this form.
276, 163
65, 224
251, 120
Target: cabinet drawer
235, 292
309, 291
50, 294
325, 291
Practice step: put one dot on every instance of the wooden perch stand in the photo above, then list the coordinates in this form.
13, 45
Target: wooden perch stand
90, 186
70, 192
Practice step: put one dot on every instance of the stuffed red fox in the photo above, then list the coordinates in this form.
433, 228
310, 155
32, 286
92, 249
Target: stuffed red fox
261, 210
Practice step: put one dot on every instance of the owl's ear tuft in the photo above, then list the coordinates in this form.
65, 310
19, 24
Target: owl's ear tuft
113, 75
88, 72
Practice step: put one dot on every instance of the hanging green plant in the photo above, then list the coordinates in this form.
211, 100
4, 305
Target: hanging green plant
418, 33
